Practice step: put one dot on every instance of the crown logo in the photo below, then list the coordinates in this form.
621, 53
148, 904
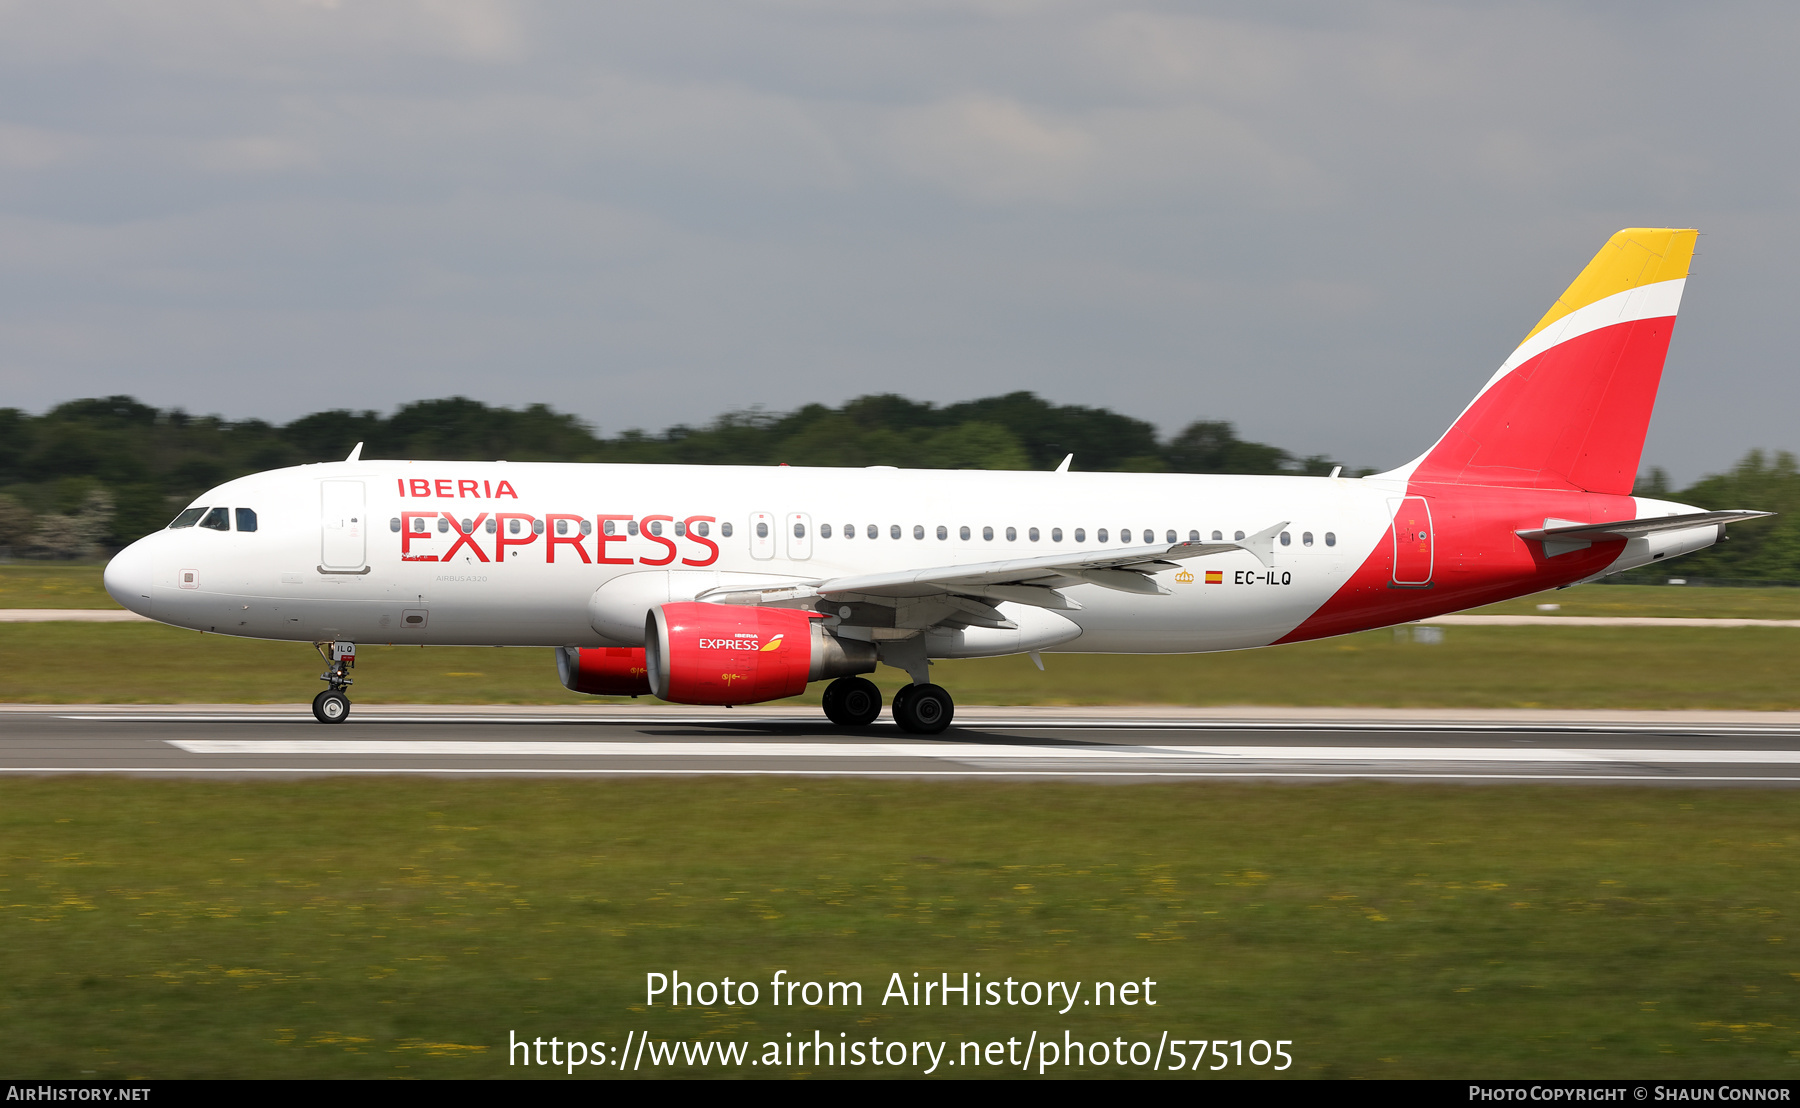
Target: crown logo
1184, 578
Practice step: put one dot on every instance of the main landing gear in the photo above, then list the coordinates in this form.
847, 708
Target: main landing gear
852, 702
921, 709
332, 705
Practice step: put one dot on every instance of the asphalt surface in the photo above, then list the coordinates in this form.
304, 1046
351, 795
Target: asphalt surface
1695, 749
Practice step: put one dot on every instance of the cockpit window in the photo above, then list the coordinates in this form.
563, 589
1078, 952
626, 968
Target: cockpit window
219, 519
187, 518
246, 519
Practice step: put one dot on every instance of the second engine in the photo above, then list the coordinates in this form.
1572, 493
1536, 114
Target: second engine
699, 653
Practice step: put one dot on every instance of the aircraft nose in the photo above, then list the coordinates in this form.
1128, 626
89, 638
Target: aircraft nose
130, 575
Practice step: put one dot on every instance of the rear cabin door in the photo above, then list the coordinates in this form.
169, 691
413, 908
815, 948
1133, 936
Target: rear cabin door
1413, 543
343, 524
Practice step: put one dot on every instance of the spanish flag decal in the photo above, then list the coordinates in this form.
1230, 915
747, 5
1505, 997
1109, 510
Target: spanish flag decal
1215, 577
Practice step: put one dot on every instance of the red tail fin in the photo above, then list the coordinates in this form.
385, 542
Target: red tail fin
1570, 408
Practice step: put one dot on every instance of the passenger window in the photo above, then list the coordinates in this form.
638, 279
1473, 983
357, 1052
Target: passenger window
680, 529
1218, 537
1012, 534
562, 526
918, 531
1330, 538
491, 527
987, 534
631, 527
963, 533
1193, 536
219, 519
1237, 536
1286, 539
588, 528
394, 525
1100, 535
1171, 536
512, 526
893, 530
605, 528
1056, 534
1080, 534
537, 527
873, 531
849, 530
1032, 534
725, 530
443, 526
943, 532
824, 530
1306, 538
467, 527
762, 530
187, 518
246, 519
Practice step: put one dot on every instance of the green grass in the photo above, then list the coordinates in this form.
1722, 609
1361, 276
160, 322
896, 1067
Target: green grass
1492, 667
52, 585
374, 928
1657, 600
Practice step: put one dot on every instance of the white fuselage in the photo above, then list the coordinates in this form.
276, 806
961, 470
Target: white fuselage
310, 574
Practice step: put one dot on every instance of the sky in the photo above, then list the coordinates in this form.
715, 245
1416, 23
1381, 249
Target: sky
1327, 223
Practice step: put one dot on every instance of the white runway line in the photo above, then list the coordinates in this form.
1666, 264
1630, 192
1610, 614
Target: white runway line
1245, 775
1022, 724
980, 753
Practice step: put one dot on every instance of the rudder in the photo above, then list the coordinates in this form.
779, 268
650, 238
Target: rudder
1570, 408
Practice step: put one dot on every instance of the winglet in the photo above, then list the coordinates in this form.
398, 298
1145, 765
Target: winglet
355, 454
1262, 544
1064, 467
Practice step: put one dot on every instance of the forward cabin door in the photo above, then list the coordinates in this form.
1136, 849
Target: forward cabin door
343, 524
1413, 543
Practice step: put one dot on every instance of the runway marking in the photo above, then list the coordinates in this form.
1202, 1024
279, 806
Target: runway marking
1433, 727
978, 752
410, 771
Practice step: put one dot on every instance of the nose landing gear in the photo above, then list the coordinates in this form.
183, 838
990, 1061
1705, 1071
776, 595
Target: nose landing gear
332, 706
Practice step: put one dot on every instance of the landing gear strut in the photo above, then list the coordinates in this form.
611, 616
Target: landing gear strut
852, 702
923, 709
332, 706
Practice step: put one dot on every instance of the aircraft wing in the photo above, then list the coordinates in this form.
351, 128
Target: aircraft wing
1560, 530
1031, 581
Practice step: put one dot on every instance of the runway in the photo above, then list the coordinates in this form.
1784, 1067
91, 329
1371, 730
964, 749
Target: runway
1097, 745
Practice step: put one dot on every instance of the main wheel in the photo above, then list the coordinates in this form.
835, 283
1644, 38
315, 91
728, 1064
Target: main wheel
923, 709
852, 702
331, 706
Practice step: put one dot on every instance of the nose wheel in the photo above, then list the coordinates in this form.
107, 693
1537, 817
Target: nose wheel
923, 709
852, 702
331, 707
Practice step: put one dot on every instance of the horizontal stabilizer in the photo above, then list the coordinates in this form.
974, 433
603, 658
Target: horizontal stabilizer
1565, 531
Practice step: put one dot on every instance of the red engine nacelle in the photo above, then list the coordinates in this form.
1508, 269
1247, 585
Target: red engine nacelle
700, 653
604, 671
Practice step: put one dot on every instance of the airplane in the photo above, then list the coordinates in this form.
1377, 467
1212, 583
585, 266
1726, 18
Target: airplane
727, 585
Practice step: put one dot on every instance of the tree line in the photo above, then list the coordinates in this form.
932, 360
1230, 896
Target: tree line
91, 475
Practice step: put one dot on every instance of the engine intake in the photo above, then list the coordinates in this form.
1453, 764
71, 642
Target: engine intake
603, 671
699, 653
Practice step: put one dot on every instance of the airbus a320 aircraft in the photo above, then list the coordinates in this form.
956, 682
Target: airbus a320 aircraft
732, 585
